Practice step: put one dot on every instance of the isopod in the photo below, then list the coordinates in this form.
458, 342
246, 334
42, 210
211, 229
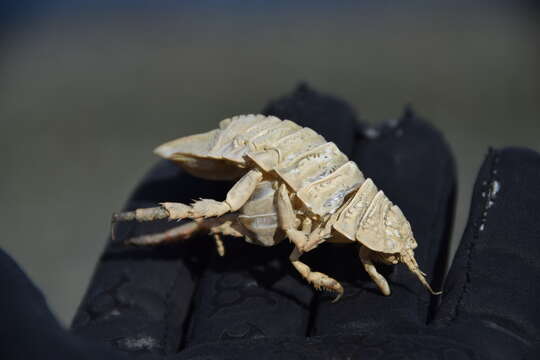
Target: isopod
293, 184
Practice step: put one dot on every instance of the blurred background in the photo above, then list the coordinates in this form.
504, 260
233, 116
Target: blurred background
87, 91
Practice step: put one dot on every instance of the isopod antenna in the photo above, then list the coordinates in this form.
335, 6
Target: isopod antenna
409, 260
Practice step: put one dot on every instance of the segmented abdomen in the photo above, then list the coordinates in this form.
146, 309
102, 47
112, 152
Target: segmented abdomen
318, 173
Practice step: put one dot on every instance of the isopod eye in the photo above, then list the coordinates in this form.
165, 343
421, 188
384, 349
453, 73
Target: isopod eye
411, 242
406, 231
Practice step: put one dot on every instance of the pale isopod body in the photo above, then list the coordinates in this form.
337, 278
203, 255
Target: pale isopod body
293, 183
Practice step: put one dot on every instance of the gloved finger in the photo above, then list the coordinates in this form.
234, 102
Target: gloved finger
139, 298
29, 330
329, 116
412, 345
495, 274
254, 291
410, 161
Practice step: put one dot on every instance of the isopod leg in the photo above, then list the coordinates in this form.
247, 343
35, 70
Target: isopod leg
317, 279
223, 225
220, 247
287, 219
182, 232
237, 196
365, 257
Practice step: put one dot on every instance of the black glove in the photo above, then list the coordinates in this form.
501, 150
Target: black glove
185, 302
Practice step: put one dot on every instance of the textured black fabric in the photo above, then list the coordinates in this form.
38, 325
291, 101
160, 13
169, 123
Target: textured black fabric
184, 302
28, 330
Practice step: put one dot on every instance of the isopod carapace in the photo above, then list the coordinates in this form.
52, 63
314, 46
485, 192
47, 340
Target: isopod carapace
292, 183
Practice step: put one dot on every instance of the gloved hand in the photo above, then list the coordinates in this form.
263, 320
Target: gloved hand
183, 301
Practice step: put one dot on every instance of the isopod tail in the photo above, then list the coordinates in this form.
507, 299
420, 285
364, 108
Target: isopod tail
408, 259
198, 145
194, 154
